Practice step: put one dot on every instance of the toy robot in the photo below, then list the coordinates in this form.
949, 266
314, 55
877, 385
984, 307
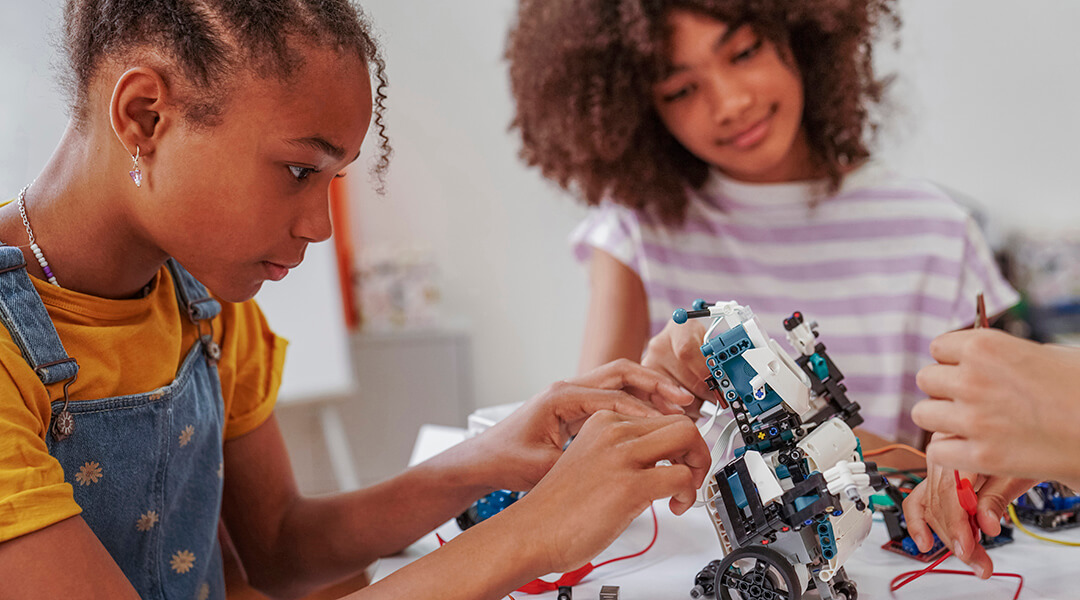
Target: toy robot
790, 508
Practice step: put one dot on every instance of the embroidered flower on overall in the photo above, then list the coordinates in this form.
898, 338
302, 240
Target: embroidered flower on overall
204, 592
182, 561
147, 521
89, 473
186, 435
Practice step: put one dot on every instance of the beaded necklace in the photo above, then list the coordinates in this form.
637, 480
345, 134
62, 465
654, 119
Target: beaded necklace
30, 233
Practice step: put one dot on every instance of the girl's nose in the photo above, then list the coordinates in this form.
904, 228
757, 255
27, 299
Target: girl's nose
314, 224
730, 99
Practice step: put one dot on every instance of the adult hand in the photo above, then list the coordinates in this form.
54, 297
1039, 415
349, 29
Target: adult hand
1010, 406
676, 352
608, 476
934, 505
519, 450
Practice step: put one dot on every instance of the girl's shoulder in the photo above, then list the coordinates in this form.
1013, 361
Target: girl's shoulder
877, 189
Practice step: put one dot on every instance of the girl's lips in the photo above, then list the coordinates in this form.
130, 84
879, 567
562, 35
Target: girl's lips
275, 272
751, 136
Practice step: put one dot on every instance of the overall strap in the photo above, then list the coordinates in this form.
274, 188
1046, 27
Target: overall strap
26, 319
194, 298
200, 308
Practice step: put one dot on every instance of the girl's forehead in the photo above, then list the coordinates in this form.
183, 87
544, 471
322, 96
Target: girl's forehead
691, 34
323, 84
329, 101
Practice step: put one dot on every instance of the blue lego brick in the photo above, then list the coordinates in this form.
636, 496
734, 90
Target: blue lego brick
494, 503
911, 548
782, 471
1063, 503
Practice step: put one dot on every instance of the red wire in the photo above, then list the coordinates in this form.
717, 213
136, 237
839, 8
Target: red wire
656, 531
893, 585
539, 586
913, 575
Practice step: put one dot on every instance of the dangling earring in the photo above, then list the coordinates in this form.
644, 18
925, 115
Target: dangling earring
136, 174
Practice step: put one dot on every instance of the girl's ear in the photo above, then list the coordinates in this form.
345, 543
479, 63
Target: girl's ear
141, 110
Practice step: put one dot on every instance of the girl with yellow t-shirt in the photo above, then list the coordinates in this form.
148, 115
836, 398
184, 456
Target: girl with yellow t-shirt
136, 394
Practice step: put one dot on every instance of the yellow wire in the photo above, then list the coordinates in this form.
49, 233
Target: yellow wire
1020, 526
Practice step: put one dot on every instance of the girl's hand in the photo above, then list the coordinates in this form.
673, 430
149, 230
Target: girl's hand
519, 450
676, 352
934, 505
606, 477
1010, 406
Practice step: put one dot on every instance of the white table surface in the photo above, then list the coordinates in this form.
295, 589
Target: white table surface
686, 544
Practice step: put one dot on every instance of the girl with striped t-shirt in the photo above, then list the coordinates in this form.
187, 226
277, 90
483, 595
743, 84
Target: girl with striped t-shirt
723, 144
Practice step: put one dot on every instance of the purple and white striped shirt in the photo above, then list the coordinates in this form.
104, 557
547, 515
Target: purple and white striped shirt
884, 266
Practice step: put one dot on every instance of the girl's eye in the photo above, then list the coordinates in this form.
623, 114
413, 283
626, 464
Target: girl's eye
678, 94
749, 52
301, 173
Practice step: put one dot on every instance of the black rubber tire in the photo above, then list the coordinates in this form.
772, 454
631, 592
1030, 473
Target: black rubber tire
771, 578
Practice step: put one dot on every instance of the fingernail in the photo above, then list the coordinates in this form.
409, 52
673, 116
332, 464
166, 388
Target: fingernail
680, 390
979, 570
991, 515
959, 547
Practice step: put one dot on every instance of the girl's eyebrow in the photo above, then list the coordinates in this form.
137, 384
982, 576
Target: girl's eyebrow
320, 144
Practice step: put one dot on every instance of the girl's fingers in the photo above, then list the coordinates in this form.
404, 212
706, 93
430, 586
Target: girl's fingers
955, 452
623, 373
690, 371
915, 515
576, 403
674, 481
942, 416
947, 349
675, 439
660, 402
994, 498
939, 381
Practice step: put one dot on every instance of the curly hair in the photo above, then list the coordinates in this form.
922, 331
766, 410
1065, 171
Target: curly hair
207, 41
582, 73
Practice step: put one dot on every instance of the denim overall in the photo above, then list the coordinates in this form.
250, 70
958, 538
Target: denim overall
147, 469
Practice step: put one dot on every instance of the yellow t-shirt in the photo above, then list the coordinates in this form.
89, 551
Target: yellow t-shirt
123, 347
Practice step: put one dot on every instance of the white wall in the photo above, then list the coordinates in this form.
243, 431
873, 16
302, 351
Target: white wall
457, 187
992, 94
987, 98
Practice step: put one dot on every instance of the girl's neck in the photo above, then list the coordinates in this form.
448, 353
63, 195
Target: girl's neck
800, 164
77, 210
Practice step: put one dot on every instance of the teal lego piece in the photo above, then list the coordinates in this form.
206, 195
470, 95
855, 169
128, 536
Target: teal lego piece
821, 368
723, 355
826, 539
737, 490
803, 501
